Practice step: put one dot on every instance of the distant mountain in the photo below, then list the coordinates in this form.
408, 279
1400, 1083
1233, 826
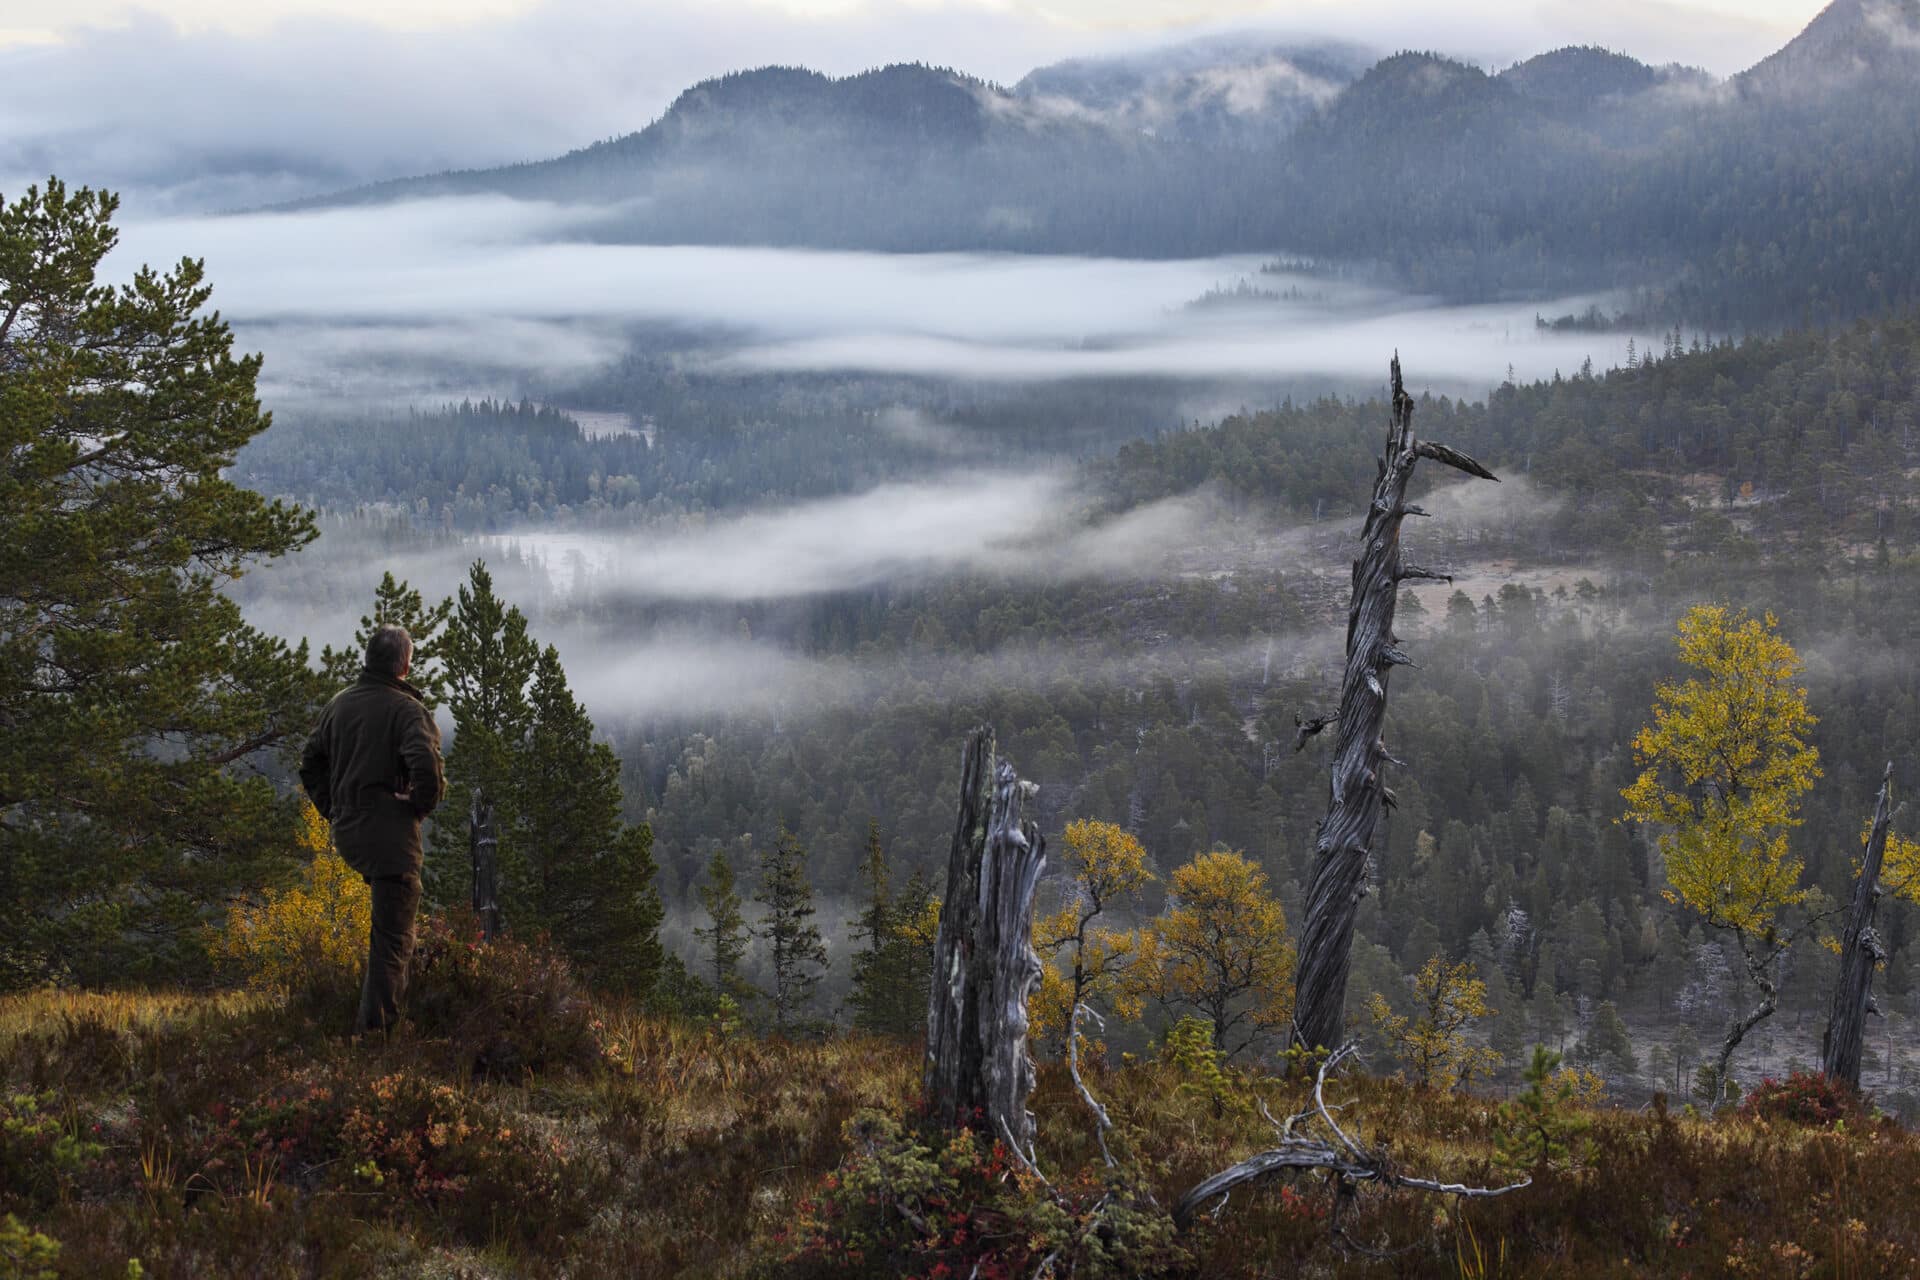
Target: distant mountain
903, 157
1784, 195
747, 118
1222, 91
1850, 43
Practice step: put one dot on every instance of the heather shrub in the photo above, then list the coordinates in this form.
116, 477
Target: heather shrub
291, 1130
1809, 1098
434, 1145
506, 1008
935, 1205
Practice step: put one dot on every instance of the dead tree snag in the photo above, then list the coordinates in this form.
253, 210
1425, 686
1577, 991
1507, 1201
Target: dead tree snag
483, 846
984, 967
1359, 755
1860, 954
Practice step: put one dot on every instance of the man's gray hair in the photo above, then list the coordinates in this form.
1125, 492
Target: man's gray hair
388, 650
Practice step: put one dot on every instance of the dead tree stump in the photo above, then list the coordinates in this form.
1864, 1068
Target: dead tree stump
1359, 755
978, 1070
483, 846
1860, 954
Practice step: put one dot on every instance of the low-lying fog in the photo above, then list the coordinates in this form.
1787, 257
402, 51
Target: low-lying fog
689, 659
479, 294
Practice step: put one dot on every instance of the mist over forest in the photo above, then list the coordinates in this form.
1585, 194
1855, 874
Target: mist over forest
817, 418
796, 504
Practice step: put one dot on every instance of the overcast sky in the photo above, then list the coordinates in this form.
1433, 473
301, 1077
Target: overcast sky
211, 104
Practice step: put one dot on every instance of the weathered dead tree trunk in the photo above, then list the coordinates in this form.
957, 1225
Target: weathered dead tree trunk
1359, 754
1860, 954
984, 967
483, 846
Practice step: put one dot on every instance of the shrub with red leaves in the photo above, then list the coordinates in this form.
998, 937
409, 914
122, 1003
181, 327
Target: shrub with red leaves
1807, 1098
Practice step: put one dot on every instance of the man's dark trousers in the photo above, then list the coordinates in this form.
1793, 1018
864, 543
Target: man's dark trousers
396, 900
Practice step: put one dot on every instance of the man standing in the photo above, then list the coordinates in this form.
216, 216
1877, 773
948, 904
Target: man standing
372, 769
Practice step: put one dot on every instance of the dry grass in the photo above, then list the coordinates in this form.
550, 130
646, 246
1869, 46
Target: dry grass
33, 1012
685, 1152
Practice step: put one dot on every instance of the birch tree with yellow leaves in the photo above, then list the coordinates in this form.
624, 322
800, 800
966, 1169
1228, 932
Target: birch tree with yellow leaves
1723, 768
1085, 957
1222, 951
1433, 1044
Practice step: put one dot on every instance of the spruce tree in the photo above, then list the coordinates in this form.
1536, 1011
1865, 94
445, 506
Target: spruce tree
916, 925
795, 951
399, 604
725, 936
873, 982
571, 865
137, 704
489, 661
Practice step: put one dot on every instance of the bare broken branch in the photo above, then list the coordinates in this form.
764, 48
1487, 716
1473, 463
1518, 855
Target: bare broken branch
1414, 572
1339, 1154
1304, 729
1101, 1120
1453, 458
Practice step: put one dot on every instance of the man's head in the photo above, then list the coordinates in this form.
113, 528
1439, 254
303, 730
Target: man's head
390, 651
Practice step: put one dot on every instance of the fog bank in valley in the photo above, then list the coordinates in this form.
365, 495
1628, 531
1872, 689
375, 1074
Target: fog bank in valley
483, 295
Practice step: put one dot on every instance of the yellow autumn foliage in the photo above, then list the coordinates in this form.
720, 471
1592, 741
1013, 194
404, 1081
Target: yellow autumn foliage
1222, 951
1723, 767
1083, 961
1433, 1044
312, 934
1899, 864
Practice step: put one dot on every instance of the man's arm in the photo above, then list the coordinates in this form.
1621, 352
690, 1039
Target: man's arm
420, 750
316, 771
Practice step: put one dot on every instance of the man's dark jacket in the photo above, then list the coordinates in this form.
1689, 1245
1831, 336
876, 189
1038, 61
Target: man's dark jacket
375, 738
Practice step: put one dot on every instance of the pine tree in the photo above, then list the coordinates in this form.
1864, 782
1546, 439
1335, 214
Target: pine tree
795, 950
726, 933
135, 699
571, 867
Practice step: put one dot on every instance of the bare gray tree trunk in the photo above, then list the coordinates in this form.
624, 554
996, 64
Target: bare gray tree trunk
1359, 754
1860, 954
978, 1069
483, 845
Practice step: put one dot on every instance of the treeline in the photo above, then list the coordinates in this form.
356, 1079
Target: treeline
716, 442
